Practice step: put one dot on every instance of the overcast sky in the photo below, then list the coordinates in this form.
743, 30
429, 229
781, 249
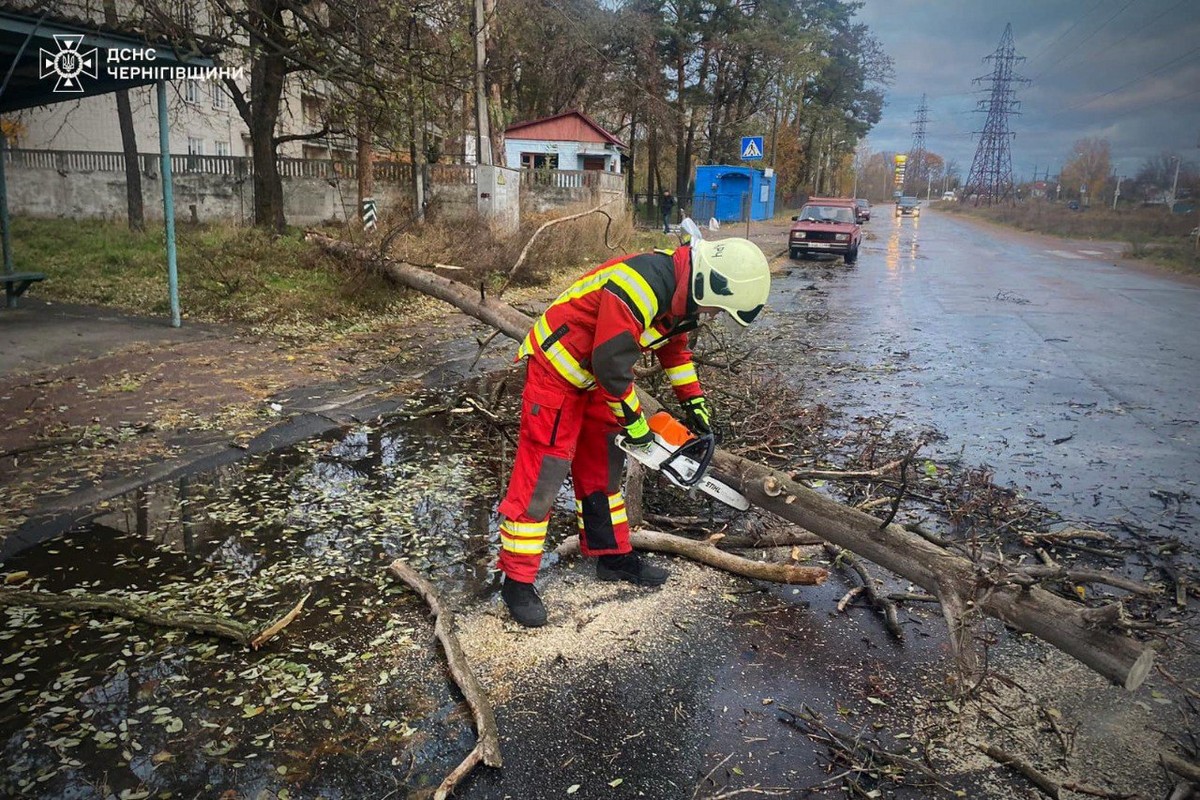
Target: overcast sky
1124, 70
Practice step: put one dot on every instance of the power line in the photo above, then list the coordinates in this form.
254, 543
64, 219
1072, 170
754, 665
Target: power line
1086, 39
1147, 24
1154, 104
1063, 35
1127, 84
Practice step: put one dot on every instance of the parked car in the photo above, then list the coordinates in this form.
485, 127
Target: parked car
908, 206
862, 210
826, 225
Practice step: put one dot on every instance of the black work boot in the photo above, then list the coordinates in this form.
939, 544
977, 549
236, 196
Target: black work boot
523, 603
630, 567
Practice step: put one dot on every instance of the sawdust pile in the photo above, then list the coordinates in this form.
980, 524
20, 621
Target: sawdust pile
590, 622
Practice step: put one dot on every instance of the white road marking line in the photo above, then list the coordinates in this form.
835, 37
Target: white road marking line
1093, 252
1064, 254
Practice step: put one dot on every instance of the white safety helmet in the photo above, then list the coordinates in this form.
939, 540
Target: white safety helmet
732, 275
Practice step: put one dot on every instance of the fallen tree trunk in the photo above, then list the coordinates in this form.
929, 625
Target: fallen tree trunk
707, 553
964, 588
194, 621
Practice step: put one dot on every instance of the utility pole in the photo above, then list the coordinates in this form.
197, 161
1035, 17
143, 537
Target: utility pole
991, 177
928, 186
1174, 184
1117, 193
483, 137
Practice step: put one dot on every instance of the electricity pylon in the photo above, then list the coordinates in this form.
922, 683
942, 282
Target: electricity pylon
991, 180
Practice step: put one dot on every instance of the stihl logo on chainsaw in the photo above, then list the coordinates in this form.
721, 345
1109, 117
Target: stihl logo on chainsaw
684, 458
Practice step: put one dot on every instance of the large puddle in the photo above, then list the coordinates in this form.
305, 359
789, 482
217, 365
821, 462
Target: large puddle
91, 699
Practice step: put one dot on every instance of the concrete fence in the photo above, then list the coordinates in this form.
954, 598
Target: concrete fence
90, 185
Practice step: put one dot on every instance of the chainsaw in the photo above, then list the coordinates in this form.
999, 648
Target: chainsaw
683, 457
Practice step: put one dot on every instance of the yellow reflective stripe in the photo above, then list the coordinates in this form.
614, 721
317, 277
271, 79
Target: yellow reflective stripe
524, 538
557, 354
629, 401
639, 291
616, 509
568, 367
684, 373
585, 285
524, 528
522, 547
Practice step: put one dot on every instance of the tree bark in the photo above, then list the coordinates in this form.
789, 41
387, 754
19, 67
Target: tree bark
487, 745
952, 578
267, 72
135, 209
707, 553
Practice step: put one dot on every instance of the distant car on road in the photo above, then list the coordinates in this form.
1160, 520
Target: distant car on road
862, 210
948, 196
908, 207
826, 225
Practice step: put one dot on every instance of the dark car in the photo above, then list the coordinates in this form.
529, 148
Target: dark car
908, 207
862, 210
826, 225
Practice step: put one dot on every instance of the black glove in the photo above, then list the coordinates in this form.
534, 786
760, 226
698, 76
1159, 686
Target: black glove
638, 433
699, 414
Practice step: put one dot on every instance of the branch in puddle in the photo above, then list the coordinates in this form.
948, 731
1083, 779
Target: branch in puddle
487, 746
138, 611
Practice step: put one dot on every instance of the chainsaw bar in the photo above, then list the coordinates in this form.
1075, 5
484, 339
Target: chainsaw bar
684, 472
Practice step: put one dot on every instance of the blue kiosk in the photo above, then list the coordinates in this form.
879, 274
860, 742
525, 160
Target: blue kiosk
727, 193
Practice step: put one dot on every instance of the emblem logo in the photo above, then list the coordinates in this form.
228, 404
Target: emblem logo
69, 64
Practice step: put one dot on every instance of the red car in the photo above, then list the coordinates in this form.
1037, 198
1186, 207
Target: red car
826, 225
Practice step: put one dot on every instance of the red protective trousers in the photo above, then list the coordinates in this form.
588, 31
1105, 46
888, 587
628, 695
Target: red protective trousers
564, 430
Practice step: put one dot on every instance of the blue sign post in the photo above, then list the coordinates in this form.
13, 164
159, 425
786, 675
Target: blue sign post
752, 148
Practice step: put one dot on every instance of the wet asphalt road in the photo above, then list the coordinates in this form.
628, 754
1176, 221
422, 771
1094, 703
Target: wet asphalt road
1074, 378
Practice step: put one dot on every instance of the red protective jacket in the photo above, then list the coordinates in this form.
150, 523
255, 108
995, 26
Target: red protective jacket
596, 330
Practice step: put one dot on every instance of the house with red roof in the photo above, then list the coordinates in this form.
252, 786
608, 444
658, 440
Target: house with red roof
570, 141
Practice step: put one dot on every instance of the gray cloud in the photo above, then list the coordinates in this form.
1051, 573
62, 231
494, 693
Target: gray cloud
1125, 70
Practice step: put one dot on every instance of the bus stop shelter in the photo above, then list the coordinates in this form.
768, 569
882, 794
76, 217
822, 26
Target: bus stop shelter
47, 59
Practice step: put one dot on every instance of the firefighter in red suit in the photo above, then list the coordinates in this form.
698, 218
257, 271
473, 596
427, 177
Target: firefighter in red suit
579, 395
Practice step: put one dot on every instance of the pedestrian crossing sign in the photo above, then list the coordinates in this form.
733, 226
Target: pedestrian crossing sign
752, 148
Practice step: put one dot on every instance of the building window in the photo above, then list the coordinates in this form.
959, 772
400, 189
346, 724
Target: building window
191, 92
195, 147
539, 160
221, 148
220, 99
312, 110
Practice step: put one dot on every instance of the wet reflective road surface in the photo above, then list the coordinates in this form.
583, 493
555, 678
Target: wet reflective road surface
1076, 380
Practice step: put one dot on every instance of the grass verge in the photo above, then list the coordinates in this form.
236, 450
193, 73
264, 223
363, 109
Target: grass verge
1151, 233
282, 284
226, 273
